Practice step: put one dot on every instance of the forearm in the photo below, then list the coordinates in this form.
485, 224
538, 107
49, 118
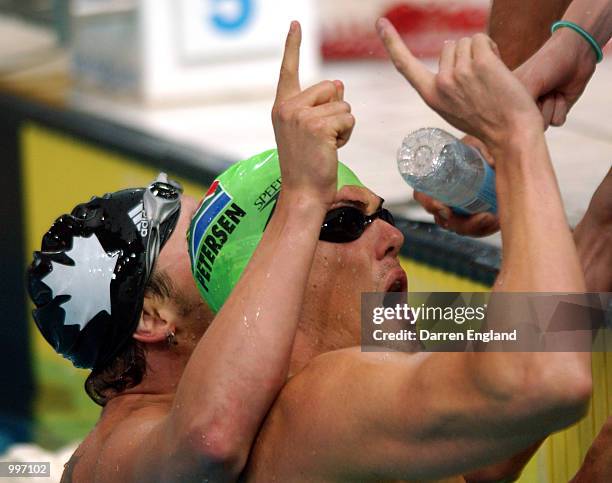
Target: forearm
538, 251
538, 255
595, 16
241, 362
530, 22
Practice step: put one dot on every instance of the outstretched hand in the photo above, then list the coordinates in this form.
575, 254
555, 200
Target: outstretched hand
473, 89
309, 125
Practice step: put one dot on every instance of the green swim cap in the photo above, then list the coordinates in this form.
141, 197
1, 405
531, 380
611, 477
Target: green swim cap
231, 219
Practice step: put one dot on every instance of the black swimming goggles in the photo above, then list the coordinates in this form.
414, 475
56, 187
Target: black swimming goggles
347, 223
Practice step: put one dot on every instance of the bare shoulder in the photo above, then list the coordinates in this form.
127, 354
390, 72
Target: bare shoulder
332, 374
111, 444
327, 395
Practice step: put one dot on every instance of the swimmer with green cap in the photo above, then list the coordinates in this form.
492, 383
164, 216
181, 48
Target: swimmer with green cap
348, 414
231, 219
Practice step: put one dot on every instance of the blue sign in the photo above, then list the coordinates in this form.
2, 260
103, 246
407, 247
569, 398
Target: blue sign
242, 11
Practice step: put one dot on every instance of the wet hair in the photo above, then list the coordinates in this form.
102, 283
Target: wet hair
129, 366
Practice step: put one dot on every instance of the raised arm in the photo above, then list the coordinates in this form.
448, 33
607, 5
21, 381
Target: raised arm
357, 415
240, 364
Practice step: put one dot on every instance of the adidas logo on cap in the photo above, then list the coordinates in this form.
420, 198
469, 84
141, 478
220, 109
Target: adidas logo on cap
139, 217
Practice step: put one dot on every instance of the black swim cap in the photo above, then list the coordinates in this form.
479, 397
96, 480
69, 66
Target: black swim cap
89, 277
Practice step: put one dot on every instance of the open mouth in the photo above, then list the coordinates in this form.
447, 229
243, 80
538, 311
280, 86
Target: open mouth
397, 281
395, 287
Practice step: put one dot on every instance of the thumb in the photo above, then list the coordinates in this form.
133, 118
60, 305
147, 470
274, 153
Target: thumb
561, 109
547, 108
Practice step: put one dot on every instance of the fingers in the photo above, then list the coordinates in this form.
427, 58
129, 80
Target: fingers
330, 109
343, 125
495, 49
440, 211
547, 107
478, 144
340, 89
407, 64
321, 93
289, 81
333, 119
480, 224
463, 55
341, 122
447, 57
560, 110
335, 114
345, 135
483, 46
432, 205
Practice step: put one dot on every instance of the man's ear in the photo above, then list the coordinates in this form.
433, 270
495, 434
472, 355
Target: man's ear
152, 327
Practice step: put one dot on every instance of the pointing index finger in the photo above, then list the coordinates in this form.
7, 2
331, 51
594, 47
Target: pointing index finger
289, 81
407, 64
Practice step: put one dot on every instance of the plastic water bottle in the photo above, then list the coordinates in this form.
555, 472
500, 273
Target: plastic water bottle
438, 164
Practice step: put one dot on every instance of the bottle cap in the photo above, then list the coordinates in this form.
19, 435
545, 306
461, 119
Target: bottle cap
419, 154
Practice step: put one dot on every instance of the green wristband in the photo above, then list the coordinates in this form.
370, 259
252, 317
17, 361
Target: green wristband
583, 33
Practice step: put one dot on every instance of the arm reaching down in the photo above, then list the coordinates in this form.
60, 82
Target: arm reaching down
529, 21
557, 74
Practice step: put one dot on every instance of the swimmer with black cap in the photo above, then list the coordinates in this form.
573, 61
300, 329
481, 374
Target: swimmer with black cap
89, 278
183, 394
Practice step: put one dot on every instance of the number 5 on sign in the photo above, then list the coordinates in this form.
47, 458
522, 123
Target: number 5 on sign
231, 15
226, 30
